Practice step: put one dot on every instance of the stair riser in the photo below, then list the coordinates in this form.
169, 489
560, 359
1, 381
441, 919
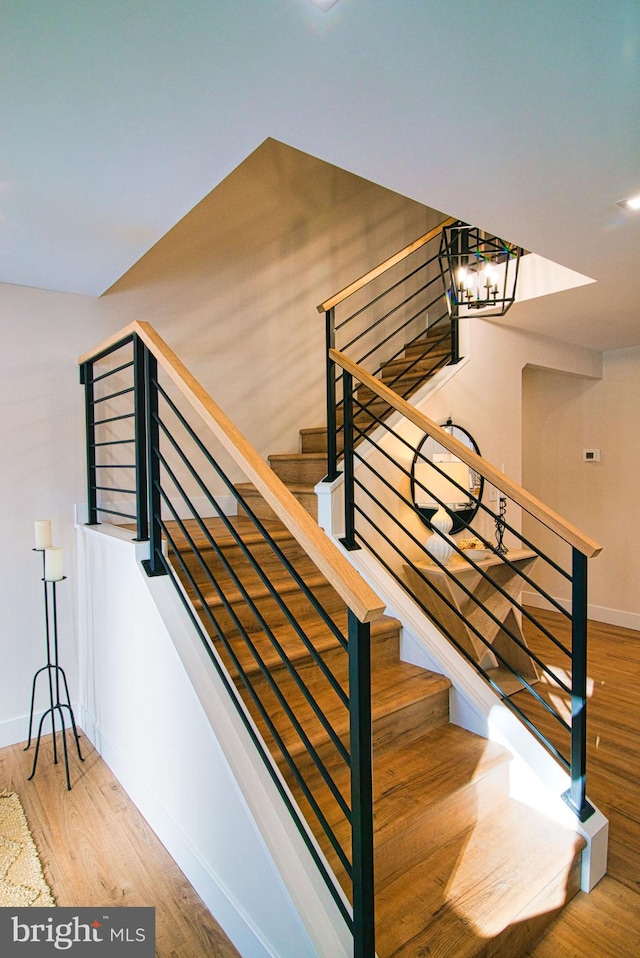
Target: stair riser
263, 511
411, 722
383, 651
300, 470
313, 441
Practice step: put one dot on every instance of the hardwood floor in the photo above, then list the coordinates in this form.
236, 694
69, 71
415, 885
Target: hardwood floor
96, 849
606, 923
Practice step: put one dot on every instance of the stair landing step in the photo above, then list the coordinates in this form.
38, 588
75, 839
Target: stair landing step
425, 792
484, 892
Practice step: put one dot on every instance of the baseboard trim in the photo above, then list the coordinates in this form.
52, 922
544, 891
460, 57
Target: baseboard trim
15, 731
598, 613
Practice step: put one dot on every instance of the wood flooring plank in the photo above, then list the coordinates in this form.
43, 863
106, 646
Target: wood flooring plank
606, 923
97, 849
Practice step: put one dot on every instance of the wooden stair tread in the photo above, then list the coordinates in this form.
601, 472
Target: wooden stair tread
280, 579
319, 636
496, 870
425, 792
396, 687
224, 539
421, 362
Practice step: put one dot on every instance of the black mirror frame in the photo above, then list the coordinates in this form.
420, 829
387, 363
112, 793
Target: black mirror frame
461, 518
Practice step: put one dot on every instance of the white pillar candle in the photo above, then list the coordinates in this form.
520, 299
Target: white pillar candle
53, 565
43, 534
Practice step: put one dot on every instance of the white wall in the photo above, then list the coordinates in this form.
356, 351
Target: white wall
234, 289
42, 475
562, 416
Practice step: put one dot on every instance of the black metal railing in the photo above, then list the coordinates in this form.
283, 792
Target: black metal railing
509, 591
395, 324
294, 659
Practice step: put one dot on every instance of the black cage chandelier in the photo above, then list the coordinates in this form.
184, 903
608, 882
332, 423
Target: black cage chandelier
479, 271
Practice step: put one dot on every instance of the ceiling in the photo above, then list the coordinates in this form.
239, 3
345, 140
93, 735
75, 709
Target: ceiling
520, 117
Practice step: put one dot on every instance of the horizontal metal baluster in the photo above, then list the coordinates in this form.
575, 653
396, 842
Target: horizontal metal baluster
257, 740
263, 711
259, 526
260, 620
102, 422
112, 512
112, 372
121, 392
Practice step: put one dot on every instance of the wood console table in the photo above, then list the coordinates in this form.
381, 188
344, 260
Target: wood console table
473, 610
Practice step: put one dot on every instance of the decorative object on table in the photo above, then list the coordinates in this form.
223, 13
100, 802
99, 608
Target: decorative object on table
479, 271
463, 510
493, 636
22, 884
52, 574
501, 549
443, 494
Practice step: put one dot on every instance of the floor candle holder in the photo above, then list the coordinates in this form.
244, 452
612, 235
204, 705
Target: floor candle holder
59, 699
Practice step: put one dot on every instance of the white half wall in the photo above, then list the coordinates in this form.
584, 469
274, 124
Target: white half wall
42, 476
157, 711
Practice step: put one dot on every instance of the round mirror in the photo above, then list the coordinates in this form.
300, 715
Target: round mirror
451, 484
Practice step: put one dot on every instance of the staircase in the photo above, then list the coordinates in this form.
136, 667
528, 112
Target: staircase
461, 869
301, 471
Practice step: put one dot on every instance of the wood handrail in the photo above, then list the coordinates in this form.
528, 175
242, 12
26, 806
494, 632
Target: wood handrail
383, 267
571, 534
347, 582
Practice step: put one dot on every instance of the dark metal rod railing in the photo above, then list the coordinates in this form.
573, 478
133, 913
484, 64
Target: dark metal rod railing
112, 372
389, 289
257, 568
153, 471
513, 706
86, 378
363, 498
484, 508
258, 525
121, 392
577, 795
155, 565
260, 706
262, 751
443, 598
140, 439
362, 325
362, 787
102, 422
481, 507
114, 512
332, 433
257, 614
